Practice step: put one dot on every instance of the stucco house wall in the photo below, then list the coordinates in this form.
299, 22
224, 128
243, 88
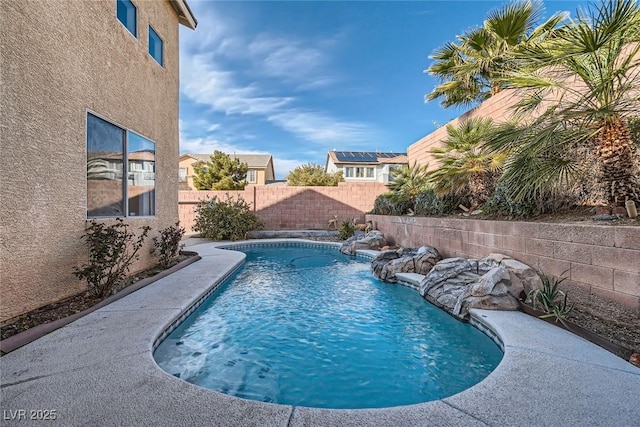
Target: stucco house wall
61, 60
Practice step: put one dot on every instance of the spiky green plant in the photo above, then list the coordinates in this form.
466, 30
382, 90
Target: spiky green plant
579, 89
550, 299
463, 165
408, 182
470, 69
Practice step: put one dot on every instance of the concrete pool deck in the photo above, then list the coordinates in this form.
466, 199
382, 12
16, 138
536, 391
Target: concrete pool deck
99, 370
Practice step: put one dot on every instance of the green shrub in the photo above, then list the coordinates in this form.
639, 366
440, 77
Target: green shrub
112, 251
500, 204
550, 299
168, 244
225, 219
346, 230
391, 204
429, 203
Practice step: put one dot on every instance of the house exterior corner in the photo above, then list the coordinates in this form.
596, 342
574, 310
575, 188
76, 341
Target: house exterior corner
68, 67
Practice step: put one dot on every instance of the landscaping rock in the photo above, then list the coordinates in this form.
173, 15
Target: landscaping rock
494, 283
420, 261
373, 240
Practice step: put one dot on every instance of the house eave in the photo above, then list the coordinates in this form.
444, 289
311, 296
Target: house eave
185, 16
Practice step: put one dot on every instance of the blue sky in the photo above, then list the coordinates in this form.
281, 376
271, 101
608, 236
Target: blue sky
297, 79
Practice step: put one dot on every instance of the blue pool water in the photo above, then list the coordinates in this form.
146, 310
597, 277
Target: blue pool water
312, 327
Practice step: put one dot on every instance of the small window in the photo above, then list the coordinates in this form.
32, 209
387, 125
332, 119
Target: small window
371, 173
155, 46
359, 172
128, 15
182, 175
251, 175
391, 174
348, 172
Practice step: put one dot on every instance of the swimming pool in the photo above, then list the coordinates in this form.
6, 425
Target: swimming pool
308, 326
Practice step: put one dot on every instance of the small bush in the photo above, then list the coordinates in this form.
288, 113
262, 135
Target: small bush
430, 203
500, 204
346, 230
225, 219
112, 251
168, 245
550, 299
391, 204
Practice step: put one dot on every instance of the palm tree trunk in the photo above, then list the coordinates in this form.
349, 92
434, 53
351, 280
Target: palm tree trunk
615, 150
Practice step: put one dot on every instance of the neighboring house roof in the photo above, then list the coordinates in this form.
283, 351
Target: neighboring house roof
398, 160
366, 157
185, 16
254, 161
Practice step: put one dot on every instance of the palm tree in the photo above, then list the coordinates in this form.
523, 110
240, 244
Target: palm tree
470, 70
409, 181
582, 87
463, 165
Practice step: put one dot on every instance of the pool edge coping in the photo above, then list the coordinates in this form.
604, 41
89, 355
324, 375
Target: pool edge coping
462, 403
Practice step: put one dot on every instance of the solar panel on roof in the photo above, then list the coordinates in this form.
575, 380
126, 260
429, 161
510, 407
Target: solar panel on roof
355, 157
363, 157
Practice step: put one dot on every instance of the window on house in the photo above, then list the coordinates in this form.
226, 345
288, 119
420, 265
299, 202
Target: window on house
391, 169
360, 172
128, 15
182, 175
348, 172
155, 45
113, 155
371, 173
251, 175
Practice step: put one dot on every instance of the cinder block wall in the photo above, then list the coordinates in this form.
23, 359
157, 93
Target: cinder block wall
496, 108
293, 208
605, 259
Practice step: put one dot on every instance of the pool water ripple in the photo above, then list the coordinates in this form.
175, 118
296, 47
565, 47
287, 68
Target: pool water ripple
312, 327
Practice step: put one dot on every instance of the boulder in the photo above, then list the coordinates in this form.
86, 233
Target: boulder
388, 263
373, 240
382, 259
494, 283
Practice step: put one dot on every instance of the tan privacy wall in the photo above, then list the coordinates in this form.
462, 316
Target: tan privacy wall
604, 259
294, 208
61, 59
496, 108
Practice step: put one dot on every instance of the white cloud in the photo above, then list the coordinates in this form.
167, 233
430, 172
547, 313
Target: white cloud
321, 128
234, 72
289, 59
202, 82
213, 127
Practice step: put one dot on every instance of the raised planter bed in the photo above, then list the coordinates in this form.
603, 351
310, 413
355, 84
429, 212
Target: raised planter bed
598, 340
20, 339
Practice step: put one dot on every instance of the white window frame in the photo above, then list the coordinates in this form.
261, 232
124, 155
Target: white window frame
349, 172
373, 172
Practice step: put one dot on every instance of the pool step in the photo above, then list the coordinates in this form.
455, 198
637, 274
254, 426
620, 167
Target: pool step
411, 280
